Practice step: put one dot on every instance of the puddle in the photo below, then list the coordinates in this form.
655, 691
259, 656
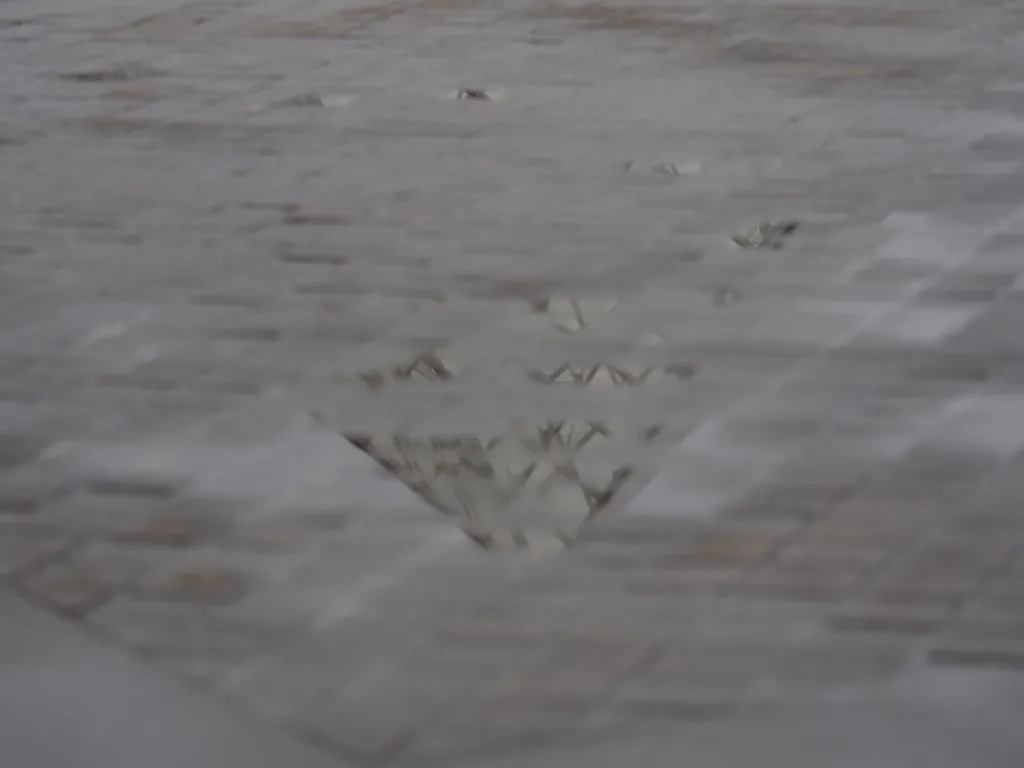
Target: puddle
767, 234
525, 482
691, 168
324, 100
612, 375
450, 366
572, 315
428, 367
474, 94
533, 486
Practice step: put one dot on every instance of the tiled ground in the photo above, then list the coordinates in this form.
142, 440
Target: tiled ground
218, 216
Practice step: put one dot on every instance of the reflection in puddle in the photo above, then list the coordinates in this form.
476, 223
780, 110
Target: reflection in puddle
429, 367
534, 484
530, 487
611, 375
571, 316
432, 367
725, 297
767, 234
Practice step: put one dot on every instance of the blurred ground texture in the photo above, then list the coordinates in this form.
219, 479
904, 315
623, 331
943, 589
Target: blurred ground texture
211, 211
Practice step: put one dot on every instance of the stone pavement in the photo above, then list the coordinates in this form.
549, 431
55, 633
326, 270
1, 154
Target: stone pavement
839, 735
520, 247
65, 701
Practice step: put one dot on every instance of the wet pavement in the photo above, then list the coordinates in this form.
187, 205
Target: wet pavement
446, 381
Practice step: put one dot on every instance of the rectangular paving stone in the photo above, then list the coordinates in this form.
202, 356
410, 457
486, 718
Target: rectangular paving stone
130, 519
448, 660
159, 721
165, 631
841, 536
384, 723
887, 514
500, 726
808, 577
982, 643
944, 569
949, 469
599, 663
829, 470
870, 616
25, 494
497, 633
22, 554
685, 704
735, 546
622, 617
710, 664
840, 661
1003, 596
682, 583
209, 585
91, 575
286, 533
987, 516
769, 619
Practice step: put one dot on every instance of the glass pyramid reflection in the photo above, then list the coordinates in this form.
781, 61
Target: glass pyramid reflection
532, 486
532, 483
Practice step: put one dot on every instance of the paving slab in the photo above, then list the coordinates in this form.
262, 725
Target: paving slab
837, 735
66, 700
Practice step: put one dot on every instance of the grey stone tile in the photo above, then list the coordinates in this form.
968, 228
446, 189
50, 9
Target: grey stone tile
142, 717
